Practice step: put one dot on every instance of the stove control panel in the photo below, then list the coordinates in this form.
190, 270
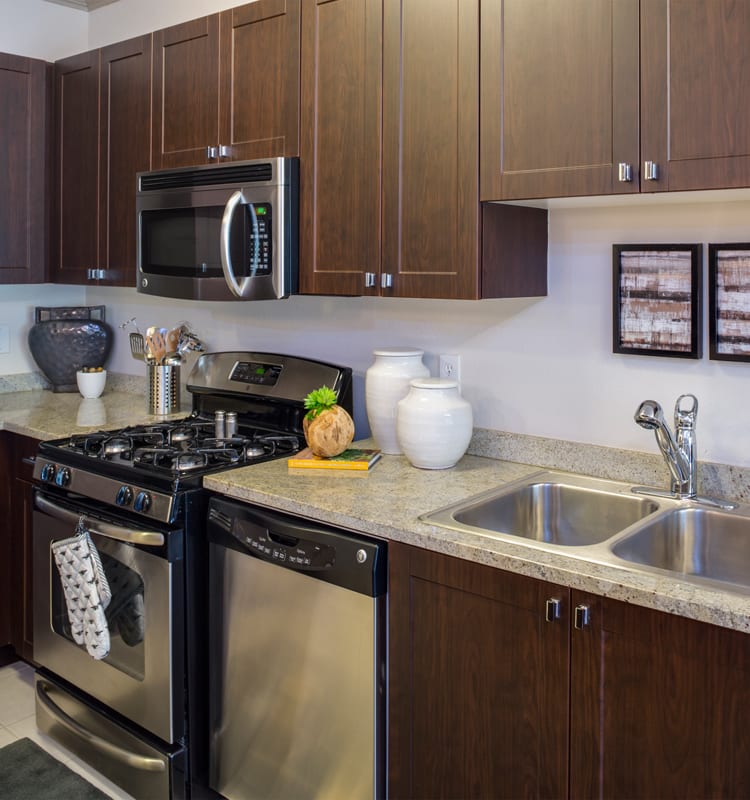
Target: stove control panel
151, 504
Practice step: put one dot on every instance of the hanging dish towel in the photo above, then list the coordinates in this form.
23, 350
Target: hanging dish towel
86, 590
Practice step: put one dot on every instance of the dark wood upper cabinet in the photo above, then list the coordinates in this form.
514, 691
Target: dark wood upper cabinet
125, 150
559, 97
103, 124
340, 146
260, 80
75, 244
226, 86
408, 222
25, 136
186, 93
695, 94
561, 112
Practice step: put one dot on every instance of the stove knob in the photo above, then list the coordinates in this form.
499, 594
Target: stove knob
47, 472
62, 477
142, 501
124, 496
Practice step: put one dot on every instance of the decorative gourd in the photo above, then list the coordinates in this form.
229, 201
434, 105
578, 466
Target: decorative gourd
327, 426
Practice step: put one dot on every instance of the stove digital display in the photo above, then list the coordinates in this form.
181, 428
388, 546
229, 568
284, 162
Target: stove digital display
255, 372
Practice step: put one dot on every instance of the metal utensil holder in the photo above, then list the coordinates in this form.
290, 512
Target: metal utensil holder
163, 389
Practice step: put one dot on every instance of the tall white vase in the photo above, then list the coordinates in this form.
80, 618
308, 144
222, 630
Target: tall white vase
386, 382
434, 423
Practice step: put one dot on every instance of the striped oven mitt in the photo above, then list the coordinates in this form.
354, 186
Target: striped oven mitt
86, 590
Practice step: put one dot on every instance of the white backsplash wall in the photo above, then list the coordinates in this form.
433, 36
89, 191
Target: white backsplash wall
17, 305
543, 367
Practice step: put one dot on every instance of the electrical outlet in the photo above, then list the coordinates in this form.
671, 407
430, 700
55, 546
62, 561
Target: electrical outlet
4, 339
450, 367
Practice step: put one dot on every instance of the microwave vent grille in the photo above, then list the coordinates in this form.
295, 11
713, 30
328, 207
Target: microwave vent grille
180, 179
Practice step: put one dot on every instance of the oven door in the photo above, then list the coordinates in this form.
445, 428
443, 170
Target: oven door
142, 676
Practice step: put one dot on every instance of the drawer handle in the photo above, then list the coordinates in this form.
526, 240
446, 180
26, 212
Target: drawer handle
582, 617
552, 609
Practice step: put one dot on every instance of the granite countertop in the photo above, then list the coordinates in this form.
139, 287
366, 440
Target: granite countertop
43, 414
386, 502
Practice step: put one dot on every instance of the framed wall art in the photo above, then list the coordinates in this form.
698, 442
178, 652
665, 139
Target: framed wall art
729, 302
657, 299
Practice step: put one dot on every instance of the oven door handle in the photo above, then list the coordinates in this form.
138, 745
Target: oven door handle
135, 760
147, 538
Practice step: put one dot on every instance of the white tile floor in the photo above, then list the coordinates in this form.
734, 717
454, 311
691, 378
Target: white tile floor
17, 721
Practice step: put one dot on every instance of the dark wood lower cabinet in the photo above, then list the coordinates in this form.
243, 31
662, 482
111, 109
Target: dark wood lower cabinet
478, 691
19, 451
488, 699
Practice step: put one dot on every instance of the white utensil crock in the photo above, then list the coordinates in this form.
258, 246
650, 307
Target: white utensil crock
433, 423
387, 382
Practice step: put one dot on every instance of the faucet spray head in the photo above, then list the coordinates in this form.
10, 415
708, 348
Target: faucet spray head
649, 415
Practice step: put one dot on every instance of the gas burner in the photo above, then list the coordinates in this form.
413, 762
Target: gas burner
117, 446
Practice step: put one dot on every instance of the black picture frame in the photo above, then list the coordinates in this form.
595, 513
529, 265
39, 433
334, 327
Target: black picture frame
729, 301
657, 292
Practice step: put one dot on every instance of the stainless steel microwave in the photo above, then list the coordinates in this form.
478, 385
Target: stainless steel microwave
221, 232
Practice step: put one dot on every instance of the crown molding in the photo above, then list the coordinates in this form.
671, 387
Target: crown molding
83, 5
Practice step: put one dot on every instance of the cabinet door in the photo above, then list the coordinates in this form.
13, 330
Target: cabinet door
259, 83
125, 130
478, 681
340, 146
76, 203
431, 225
24, 137
559, 97
186, 93
695, 87
674, 693
23, 452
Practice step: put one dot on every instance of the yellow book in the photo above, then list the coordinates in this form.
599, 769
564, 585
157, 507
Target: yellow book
353, 458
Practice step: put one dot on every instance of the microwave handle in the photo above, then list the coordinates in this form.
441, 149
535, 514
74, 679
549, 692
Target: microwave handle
238, 289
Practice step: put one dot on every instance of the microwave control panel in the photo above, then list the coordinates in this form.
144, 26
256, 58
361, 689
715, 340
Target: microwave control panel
259, 218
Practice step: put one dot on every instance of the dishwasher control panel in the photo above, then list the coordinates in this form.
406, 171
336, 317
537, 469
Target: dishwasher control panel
300, 554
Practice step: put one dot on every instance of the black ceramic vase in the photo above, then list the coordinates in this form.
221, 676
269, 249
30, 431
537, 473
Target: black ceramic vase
66, 339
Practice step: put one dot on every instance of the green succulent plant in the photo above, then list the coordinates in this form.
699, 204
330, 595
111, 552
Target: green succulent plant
319, 400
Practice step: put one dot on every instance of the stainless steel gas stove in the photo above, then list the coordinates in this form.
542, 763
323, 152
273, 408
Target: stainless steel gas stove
134, 714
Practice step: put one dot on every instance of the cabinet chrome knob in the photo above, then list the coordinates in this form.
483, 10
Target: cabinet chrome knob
624, 172
582, 616
650, 171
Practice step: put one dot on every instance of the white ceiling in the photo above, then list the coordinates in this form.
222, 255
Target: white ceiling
84, 5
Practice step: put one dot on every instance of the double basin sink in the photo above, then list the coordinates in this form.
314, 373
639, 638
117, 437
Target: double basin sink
606, 522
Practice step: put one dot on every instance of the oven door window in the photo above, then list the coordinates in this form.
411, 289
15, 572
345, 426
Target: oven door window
126, 612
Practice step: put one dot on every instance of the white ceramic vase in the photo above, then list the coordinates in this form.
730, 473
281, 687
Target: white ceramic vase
434, 423
387, 382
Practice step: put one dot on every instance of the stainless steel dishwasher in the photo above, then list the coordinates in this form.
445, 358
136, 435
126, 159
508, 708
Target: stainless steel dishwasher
297, 669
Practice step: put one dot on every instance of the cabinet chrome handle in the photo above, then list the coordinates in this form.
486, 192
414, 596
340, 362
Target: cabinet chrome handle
212, 151
386, 280
96, 274
625, 172
582, 616
552, 609
225, 151
369, 280
650, 171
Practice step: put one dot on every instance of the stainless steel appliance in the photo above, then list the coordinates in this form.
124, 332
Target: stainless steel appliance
219, 232
139, 715
297, 657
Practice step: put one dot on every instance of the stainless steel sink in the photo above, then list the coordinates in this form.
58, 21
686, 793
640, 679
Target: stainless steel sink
692, 542
550, 508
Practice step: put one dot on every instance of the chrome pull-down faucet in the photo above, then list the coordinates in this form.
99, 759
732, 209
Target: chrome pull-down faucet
679, 451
